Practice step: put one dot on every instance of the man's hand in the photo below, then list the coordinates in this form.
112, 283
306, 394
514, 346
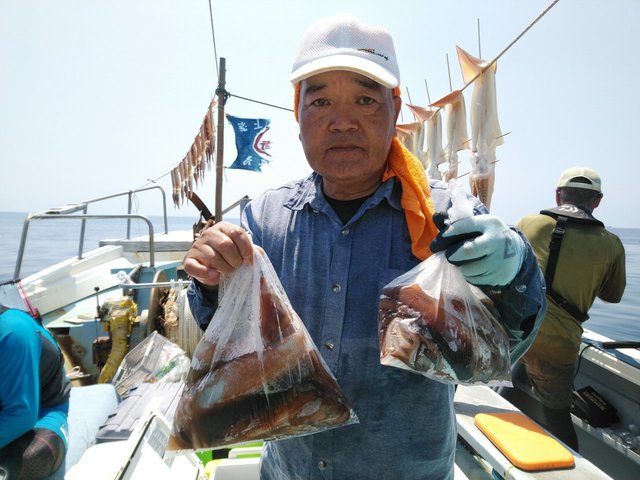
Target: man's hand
221, 248
486, 250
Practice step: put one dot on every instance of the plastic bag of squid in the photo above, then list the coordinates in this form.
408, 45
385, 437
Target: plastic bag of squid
433, 322
256, 374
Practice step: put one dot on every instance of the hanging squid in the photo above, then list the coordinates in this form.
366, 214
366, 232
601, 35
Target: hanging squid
434, 153
210, 136
456, 129
191, 169
411, 135
184, 179
485, 128
175, 186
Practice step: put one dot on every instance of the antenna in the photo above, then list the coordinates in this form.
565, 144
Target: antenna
479, 46
449, 73
411, 103
409, 96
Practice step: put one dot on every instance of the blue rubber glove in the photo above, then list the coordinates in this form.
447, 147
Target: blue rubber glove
486, 250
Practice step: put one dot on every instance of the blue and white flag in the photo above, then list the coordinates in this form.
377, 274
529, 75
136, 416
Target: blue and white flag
252, 148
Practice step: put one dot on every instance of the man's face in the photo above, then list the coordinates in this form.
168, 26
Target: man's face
347, 122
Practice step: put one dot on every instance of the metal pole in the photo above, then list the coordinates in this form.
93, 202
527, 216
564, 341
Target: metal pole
83, 225
220, 138
129, 212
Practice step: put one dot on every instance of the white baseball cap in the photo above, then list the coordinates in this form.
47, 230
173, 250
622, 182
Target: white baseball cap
581, 177
341, 42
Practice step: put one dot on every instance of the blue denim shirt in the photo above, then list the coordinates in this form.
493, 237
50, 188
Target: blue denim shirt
333, 275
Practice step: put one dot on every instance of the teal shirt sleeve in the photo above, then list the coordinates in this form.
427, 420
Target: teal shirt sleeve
19, 372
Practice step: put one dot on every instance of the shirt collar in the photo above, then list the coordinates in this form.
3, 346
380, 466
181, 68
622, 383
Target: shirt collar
309, 191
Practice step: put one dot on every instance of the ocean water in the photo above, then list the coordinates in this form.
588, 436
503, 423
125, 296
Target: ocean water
53, 241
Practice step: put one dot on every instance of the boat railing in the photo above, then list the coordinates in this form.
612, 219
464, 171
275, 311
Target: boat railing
239, 203
70, 212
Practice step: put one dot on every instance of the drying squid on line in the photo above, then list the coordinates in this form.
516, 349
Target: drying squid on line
198, 152
434, 153
195, 154
411, 135
175, 186
183, 179
192, 167
211, 134
202, 146
205, 160
190, 175
485, 128
193, 163
187, 185
456, 128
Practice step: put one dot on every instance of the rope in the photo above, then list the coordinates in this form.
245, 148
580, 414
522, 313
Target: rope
261, 103
213, 36
512, 43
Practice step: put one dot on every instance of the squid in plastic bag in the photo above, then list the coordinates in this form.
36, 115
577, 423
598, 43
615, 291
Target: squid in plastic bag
433, 322
256, 374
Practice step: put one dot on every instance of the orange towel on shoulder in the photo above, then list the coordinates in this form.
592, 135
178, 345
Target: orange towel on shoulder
416, 197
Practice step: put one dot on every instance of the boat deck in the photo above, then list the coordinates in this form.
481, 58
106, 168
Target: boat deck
171, 246
471, 400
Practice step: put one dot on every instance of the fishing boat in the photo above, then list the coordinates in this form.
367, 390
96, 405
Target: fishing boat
67, 297
605, 414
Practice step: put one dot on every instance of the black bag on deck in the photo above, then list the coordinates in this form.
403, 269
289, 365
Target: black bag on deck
590, 406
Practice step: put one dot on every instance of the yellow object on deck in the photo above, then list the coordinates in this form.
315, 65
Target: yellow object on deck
523, 442
119, 323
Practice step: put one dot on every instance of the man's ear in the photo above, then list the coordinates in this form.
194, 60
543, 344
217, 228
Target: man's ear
596, 202
397, 105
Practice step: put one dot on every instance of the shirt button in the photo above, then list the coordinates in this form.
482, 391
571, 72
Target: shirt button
521, 288
345, 231
322, 464
336, 288
329, 345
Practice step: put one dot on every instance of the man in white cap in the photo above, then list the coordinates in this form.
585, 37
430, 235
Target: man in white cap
581, 261
363, 217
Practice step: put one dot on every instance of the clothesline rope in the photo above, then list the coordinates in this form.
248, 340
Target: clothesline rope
512, 43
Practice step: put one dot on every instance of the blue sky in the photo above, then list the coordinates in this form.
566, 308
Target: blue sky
99, 96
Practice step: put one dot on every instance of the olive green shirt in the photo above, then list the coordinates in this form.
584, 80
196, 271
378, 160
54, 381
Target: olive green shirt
591, 264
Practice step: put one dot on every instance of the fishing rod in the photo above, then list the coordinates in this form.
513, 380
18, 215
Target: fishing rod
620, 344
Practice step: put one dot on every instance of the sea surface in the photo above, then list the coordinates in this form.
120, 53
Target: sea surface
49, 242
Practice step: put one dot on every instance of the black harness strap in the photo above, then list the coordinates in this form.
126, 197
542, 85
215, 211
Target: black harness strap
554, 251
